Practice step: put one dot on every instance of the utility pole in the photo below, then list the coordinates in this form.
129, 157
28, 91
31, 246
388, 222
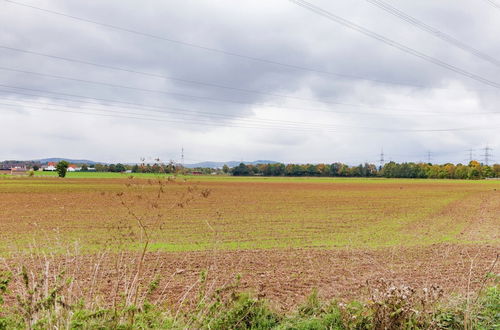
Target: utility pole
487, 154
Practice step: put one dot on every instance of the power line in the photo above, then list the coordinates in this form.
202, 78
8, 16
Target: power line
433, 154
207, 98
493, 3
392, 43
167, 107
145, 106
149, 108
120, 114
435, 32
209, 115
309, 127
154, 75
128, 104
413, 111
214, 50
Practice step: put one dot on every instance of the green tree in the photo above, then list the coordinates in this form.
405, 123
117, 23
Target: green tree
488, 172
311, 170
85, 168
62, 168
354, 171
474, 173
225, 169
334, 169
462, 172
120, 168
241, 170
344, 170
100, 168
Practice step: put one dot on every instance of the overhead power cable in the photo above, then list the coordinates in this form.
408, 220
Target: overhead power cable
190, 96
133, 105
207, 98
160, 76
200, 114
435, 32
493, 3
149, 74
215, 50
120, 114
128, 115
353, 26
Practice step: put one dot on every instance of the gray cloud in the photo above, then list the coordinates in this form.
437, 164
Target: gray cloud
248, 125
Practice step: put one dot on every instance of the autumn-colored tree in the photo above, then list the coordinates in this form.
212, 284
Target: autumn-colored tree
496, 170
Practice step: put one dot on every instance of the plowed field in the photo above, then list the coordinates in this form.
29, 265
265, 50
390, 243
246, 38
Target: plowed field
283, 236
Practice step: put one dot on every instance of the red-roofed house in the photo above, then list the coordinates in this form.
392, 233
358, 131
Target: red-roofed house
51, 166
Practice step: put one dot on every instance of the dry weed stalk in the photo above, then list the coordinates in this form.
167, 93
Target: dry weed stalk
471, 305
50, 285
150, 214
394, 306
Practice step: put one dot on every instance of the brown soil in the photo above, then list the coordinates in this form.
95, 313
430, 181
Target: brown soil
285, 277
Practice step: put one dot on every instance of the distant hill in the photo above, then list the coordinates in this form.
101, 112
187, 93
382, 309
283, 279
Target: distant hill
209, 164
74, 161
231, 163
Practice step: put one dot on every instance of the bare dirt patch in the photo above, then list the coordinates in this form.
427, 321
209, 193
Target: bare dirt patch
285, 277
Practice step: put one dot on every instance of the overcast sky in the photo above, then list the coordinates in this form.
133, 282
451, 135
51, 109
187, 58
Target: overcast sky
338, 95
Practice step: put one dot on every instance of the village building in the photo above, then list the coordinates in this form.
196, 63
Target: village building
51, 166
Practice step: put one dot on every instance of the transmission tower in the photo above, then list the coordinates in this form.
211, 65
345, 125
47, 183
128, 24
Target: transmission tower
487, 154
182, 156
381, 158
470, 155
429, 157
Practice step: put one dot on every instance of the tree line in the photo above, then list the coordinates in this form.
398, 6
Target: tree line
473, 170
158, 168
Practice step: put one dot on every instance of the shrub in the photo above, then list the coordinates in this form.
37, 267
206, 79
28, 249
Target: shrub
314, 314
243, 312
